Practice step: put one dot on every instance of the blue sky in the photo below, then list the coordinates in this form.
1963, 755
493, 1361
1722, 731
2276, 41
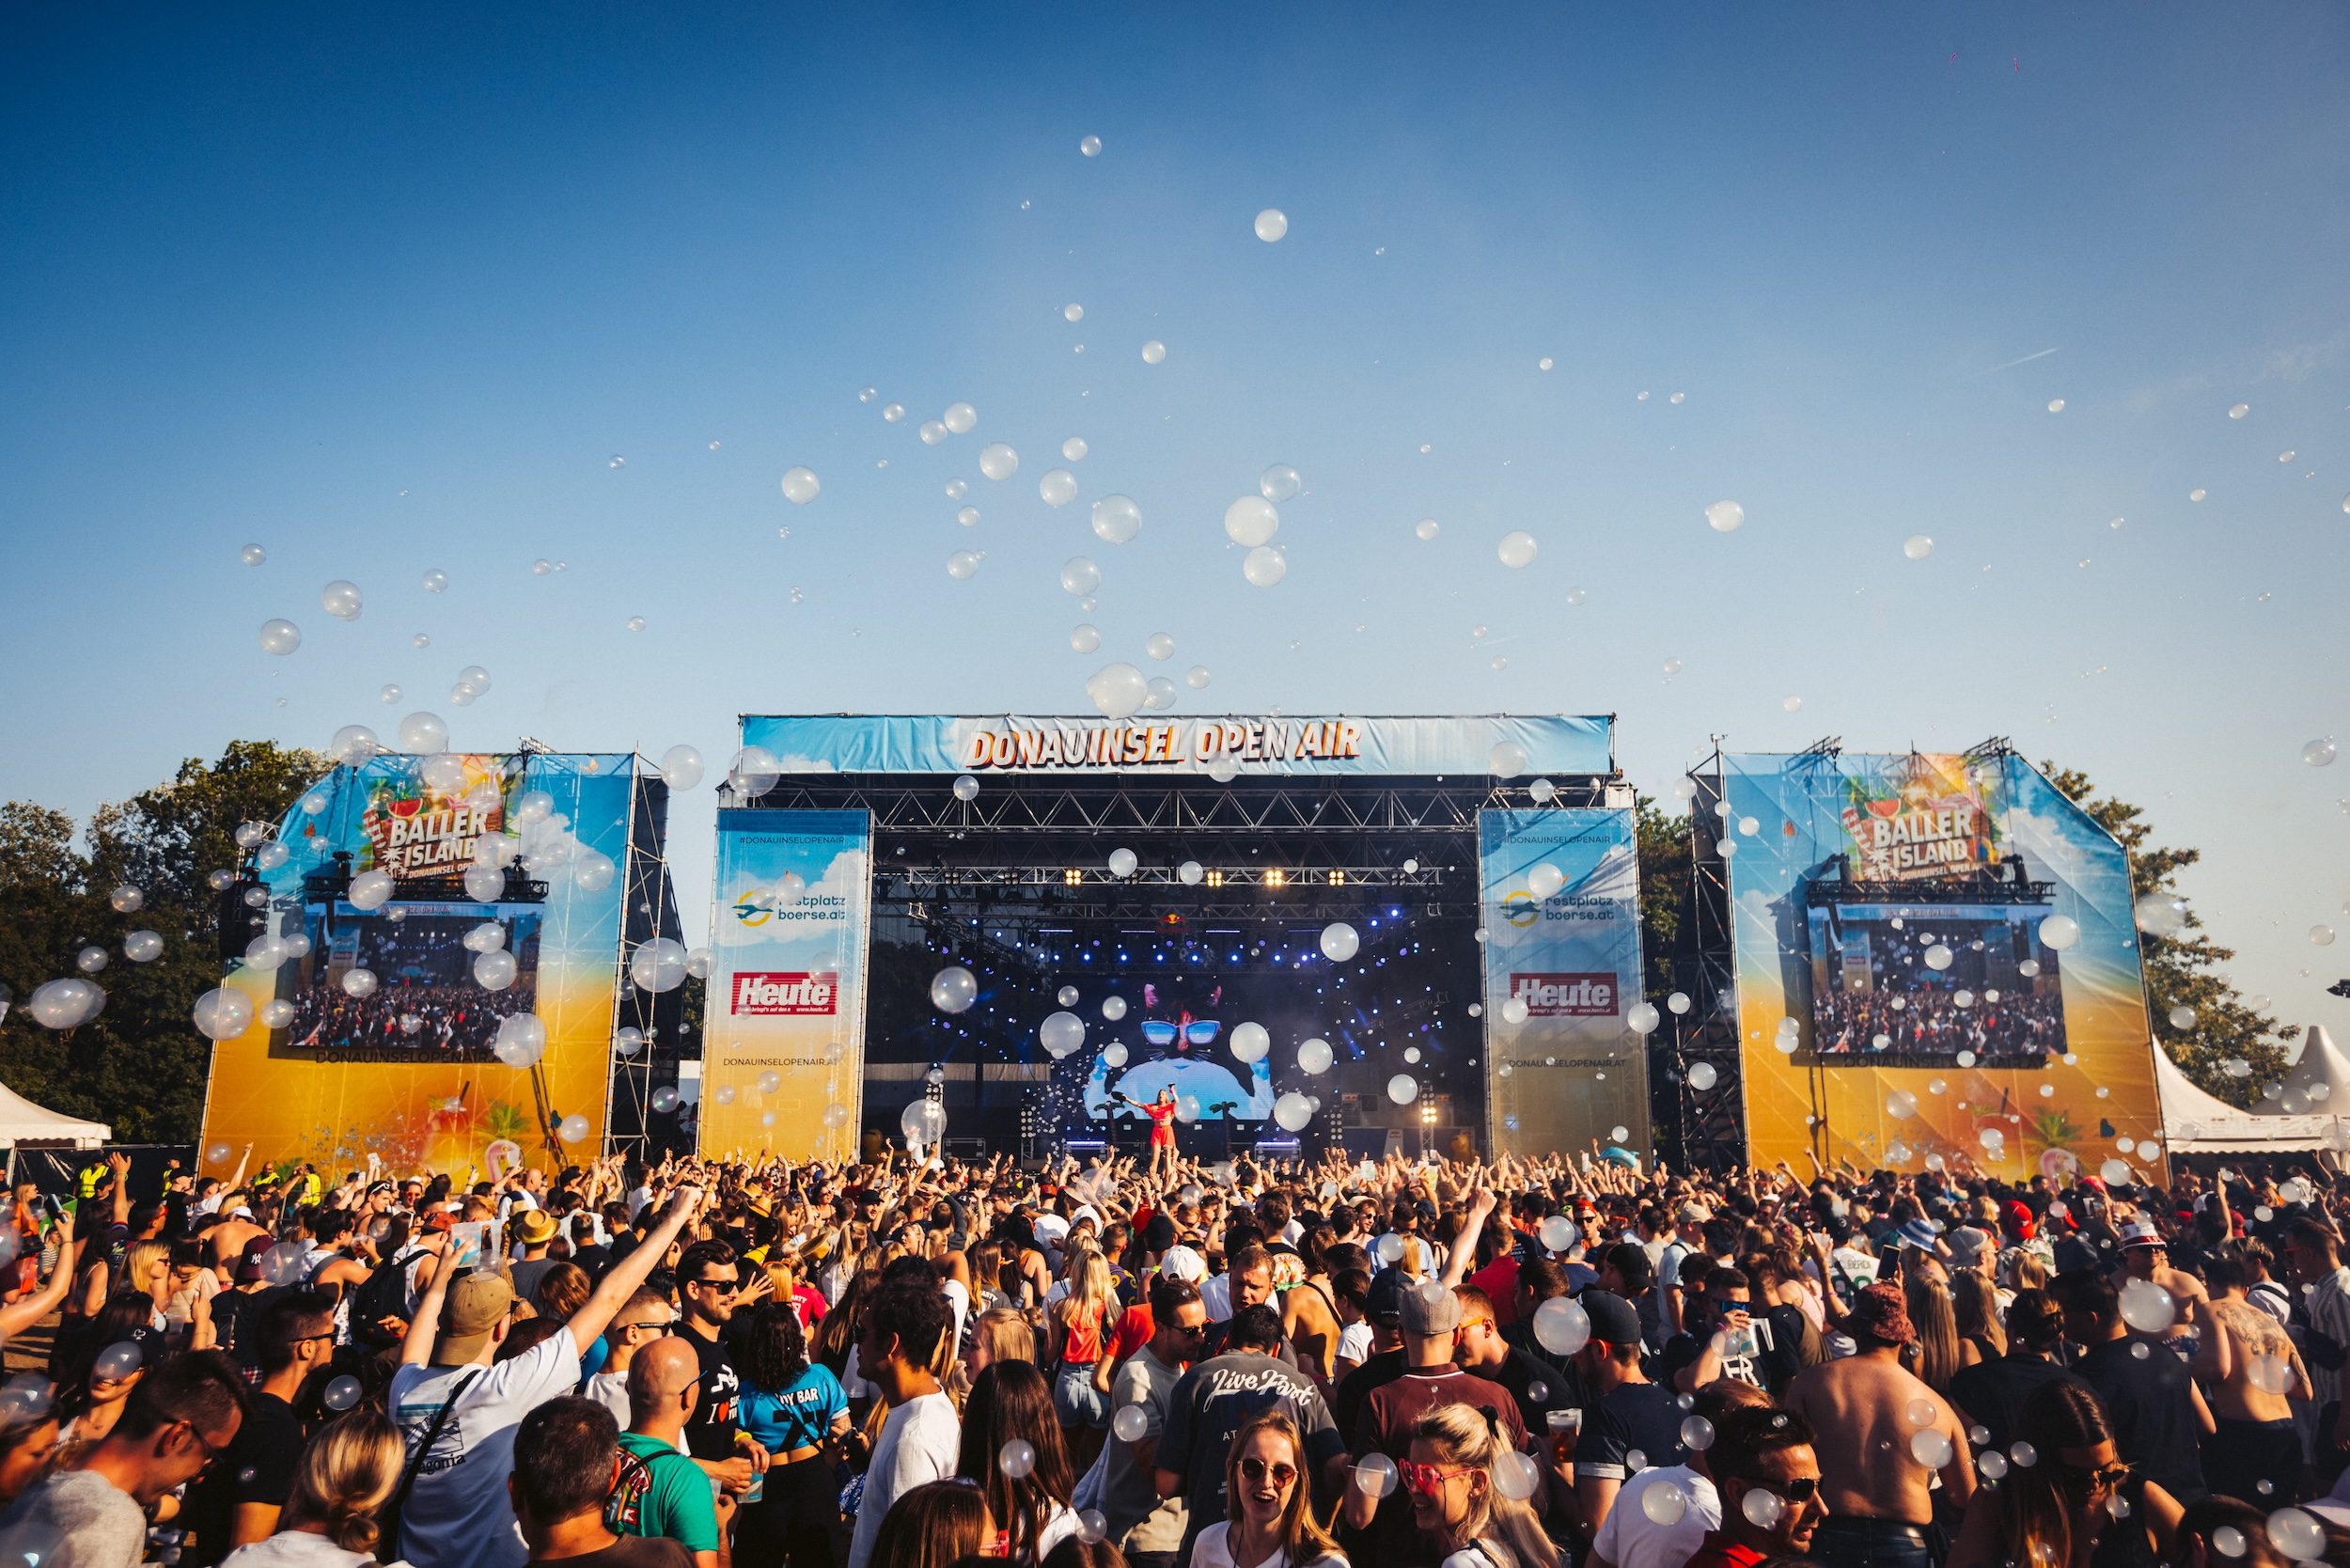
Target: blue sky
388, 291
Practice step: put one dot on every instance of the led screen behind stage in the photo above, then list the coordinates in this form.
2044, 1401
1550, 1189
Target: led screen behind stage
1963, 913
427, 1005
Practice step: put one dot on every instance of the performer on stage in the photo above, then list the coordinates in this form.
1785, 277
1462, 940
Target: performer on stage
1162, 1114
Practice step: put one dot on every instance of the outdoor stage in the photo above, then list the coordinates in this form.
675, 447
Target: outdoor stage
1416, 833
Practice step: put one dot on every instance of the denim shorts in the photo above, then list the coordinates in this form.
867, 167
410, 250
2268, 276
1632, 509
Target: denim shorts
1076, 1401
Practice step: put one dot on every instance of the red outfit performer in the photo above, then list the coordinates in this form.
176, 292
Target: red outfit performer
1162, 1114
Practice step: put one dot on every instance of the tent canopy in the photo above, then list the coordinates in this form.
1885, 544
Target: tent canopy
2322, 1063
23, 1123
2194, 1123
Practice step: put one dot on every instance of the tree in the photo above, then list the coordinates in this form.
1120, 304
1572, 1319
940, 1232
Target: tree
139, 1065
1663, 841
2229, 1048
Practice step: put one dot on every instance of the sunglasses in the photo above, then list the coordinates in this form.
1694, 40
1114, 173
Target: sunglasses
1428, 1479
1199, 1031
1257, 1469
2105, 1478
1192, 1331
1800, 1490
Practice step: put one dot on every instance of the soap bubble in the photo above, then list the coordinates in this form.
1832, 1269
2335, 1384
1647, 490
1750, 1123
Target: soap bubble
1665, 1503
754, 770
2059, 932
1271, 225
960, 417
572, 1128
63, 1004
1264, 565
1079, 576
1117, 690
1130, 1423
253, 554
1057, 488
962, 564
1340, 942
1123, 863
1642, 1019
1702, 1075
2147, 1306
1546, 879
1517, 549
142, 946
800, 485
2322, 936
1190, 874
2296, 1534
1762, 1508
998, 461
1085, 639
1154, 352
2319, 753
658, 965
1374, 1474
682, 767
1062, 1034
1516, 1475
1561, 1327
1292, 1111
280, 637
1725, 516
1251, 520
2238, 411
1161, 647
1557, 1234
359, 982
1696, 1433
1506, 759
1426, 529
1115, 518
1113, 1008
1938, 957
423, 734
1279, 482
340, 600
116, 1362
2160, 913
369, 889
1402, 1088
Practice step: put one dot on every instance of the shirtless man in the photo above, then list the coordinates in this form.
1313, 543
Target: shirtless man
1879, 1512
2253, 1371
227, 1239
2145, 1255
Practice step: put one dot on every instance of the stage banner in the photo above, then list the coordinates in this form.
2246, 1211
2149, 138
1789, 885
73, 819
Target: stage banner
783, 1038
1561, 901
454, 1022
1937, 968
1496, 744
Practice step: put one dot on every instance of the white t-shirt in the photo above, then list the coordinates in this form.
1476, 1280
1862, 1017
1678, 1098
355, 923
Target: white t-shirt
918, 1444
1355, 1342
457, 1514
1630, 1539
1216, 1296
1208, 1551
295, 1548
959, 1297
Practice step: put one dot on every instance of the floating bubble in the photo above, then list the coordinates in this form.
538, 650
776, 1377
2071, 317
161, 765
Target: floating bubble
2296, 1534
2322, 936
800, 485
1374, 1475
1123, 863
340, 600
1557, 1234
280, 637
1154, 352
963, 564
1938, 957
572, 1128
1118, 690
960, 417
64, 1004
1702, 1075
2055, 405
1161, 647
2160, 913
1251, 520
1079, 576
253, 554
1517, 549
1340, 942
1932, 1449
658, 965
2059, 932
1561, 1327
1516, 1475
1117, 519
2147, 1306
1725, 516
1190, 874
1062, 1034
359, 982
2239, 410
1271, 225
1314, 1057
998, 461
1057, 488
2319, 753
423, 734
1918, 547
1264, 565
1292, 1111
1402, 1088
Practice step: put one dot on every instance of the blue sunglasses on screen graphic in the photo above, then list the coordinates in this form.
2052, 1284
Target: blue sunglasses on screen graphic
1199, 1031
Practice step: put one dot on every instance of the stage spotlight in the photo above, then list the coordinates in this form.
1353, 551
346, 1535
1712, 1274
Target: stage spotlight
1216, 879
1072, 877
1337, 877
1275, 877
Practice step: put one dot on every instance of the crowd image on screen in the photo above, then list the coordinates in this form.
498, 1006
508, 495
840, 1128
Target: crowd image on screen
1979, 1002
426, 1002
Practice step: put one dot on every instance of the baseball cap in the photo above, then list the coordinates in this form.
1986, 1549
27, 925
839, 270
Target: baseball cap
1968, 1246
477, 1304
249, 1261
1184, 1263
1384, 1302
1430, 1310
440, 1220
1614, 1320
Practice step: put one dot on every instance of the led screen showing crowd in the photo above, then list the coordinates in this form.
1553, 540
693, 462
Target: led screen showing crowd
1928, 985
425, 1004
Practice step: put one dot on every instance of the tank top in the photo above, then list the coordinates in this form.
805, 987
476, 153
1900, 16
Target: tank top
1083, 1345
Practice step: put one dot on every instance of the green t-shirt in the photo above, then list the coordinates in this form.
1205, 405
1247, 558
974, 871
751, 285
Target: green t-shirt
662, 1492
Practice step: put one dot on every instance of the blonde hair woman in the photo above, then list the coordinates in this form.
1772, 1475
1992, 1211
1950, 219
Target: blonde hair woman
1938, 1355
1457, 1497
1268, 1511
1079, 1340
345, 1475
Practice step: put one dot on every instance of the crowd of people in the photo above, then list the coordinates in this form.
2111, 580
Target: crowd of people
917, 1363
1931, 1024
403, 1019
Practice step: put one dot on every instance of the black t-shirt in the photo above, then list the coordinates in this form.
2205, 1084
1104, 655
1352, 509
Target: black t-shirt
257, 1466
629, 1551
1993, 1393
2150, 1402
1778, 1358
1522, 1375
710, 1426
1631, 1418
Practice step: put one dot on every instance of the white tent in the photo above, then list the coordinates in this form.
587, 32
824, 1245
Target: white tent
2319, 1082
2194, 1123
23, 1123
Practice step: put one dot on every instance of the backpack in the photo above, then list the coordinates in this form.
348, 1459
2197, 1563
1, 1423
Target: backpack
624, 1506
383, 1293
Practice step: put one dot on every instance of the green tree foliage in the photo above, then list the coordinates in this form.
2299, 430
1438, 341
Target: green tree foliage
1663, 839
2186, 970
139, 1066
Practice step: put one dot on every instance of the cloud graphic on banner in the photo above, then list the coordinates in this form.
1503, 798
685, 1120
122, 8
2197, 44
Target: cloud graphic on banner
754, 916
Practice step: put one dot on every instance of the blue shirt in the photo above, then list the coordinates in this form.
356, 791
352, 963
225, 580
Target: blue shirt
794, 1417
